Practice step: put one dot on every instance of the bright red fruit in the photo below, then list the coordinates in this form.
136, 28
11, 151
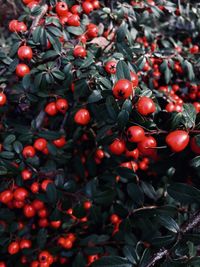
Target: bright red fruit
40, 144
135, 134
21, 27
194, 146
177, 140
22, 70
28, 152
6, 196
134, 79
20, 194
114, 218
117, 147
29, 211
146, 106
87, 7
61, 9
2, 99
79, 51
62, 105
51, 109
123, 89
13, 25
147, 146
92, 30
26, 174
82, 117
25, 52
74, 20
60, 142
13, 248
110, 67
25, 243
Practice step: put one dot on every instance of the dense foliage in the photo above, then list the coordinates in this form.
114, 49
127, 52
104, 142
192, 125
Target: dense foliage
100, 134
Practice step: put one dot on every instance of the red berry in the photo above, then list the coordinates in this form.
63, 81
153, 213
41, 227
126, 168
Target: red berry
61, 9
75, 9
60, 142
117, 147
87, 205
123, 89
114, 218
22, 70
92, 30
35, 187
21, 27
29, 211
13, 25
26, 174
37, 204
147, 146
25, 243
110, 67
45, 183
28, 152
194, 49
79, 51
20, 194
68, 244
2, 99
43, 256
134, 79
74, 20
135, 134
51, 109
13, 248
177, 140
146, 106
40, 144
87, 7
25, 52
55, 224
6, 196
82, 117
92, 258
62, 105
99, 154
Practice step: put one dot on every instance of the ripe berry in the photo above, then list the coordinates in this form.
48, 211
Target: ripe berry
25, 243
135, 134
68, 244
122, 89
99, 154
13, 25
147, 146
2, 99
82, 117
75, 9
13, 248
114, 218
92, 258
79, 51
87, 7
62, 105
96, 4
145, 106
20, 194
2, 264
37, 204
51, 109
45, 183
40, 144
117, 147
43, 256
177, 140
132, 154
6, 196
195, 147
29, 211
60, 142
35, 187
61, 9
92, 30
194, 49
28, 152
25, 52
110, 67
21, 27
55, 224
22, 70
74, 20
134, 79
87, 205
26, 174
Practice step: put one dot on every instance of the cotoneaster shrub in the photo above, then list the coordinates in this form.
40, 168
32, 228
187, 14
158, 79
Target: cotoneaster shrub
100, 134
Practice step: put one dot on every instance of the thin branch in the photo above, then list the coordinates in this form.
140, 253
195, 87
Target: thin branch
37, 19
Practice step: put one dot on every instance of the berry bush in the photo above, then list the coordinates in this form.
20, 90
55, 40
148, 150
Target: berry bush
100, 134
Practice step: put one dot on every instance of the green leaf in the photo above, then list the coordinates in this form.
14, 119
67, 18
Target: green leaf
189, 70
112, 261
122, 118
51, 193
95, 96
189, 115
75, 30
184, 193
17, 147
9, 140
135, 193
42, 238
130, 254
195, 162
169, 223
123, 71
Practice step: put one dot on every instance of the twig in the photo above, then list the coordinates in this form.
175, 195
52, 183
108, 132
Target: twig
187, 227
37, 19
